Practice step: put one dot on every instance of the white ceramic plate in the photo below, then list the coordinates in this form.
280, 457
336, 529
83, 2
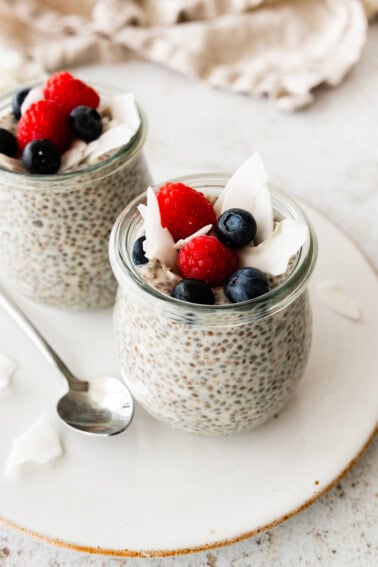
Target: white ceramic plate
154, 490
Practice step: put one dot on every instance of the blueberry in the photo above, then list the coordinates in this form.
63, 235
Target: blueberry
86, 123
17, 101
193, 291
235, 228
138, 254
41, 156
8, 143
246, 283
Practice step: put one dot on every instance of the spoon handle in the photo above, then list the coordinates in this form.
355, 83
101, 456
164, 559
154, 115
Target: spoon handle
39, 341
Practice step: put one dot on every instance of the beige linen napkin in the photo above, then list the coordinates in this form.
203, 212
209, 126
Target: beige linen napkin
281, 49
371, 8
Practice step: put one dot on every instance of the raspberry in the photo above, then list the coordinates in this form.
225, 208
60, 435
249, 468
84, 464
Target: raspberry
183, 210
70, 92
205, 258
44, 120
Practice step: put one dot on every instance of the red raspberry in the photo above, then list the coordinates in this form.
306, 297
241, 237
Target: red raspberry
70, 92
183, 210
44, 120
206, 258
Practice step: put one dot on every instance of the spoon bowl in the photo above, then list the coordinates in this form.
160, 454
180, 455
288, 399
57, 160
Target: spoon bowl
104, 407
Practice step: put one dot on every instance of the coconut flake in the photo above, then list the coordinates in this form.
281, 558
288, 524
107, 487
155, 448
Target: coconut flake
124, 110
273, 255
7, 367
12, 164
335, 296
116, 136
124, 125
201, 232
74, 155
39, 444
34, 95
159, 243
248, 189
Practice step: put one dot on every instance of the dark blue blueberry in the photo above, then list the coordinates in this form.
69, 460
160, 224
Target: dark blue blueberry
138, 254
193, 291
246, 283
235, 228
86, 123
17, 101
41, 156
8, 143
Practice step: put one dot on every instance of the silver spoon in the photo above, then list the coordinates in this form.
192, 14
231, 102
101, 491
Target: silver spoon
103, 406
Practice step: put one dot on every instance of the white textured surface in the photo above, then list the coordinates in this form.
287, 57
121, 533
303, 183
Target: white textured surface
328, 155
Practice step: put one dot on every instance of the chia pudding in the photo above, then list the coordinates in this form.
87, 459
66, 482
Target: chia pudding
54, 229
210, 369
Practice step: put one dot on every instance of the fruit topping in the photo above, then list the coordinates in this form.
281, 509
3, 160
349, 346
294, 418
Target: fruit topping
193, 291
235, 228
248, 189
273, 255
8, 143
86, 123
63, 110
245, 284
205, 258
17, 101
183, 209
41, 156
69, 92
44, 120
138, 254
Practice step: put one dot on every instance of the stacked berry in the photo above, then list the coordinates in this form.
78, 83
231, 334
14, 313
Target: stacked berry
206, 261
47, 126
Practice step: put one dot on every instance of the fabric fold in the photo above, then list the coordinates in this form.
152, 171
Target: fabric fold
280, 49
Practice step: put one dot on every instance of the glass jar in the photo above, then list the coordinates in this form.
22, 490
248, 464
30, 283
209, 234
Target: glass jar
217, 369
54, 229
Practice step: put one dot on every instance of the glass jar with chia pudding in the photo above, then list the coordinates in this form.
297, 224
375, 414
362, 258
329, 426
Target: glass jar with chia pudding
211, 369
54, 228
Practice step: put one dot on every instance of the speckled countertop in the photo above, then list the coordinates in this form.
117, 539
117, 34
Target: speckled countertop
327, 155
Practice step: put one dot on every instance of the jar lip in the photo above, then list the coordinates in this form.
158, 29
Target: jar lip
127, 151
273, 301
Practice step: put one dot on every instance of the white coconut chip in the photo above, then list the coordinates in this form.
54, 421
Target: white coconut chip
39, 444
116, 136
248, 189
159, 243
201, 232
335, 296
11, 164
272, 256
124, 110
7, 367
73, 156
34, 95
105, 104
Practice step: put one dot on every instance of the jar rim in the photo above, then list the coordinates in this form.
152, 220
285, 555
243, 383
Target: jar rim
260, 307
127, 151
